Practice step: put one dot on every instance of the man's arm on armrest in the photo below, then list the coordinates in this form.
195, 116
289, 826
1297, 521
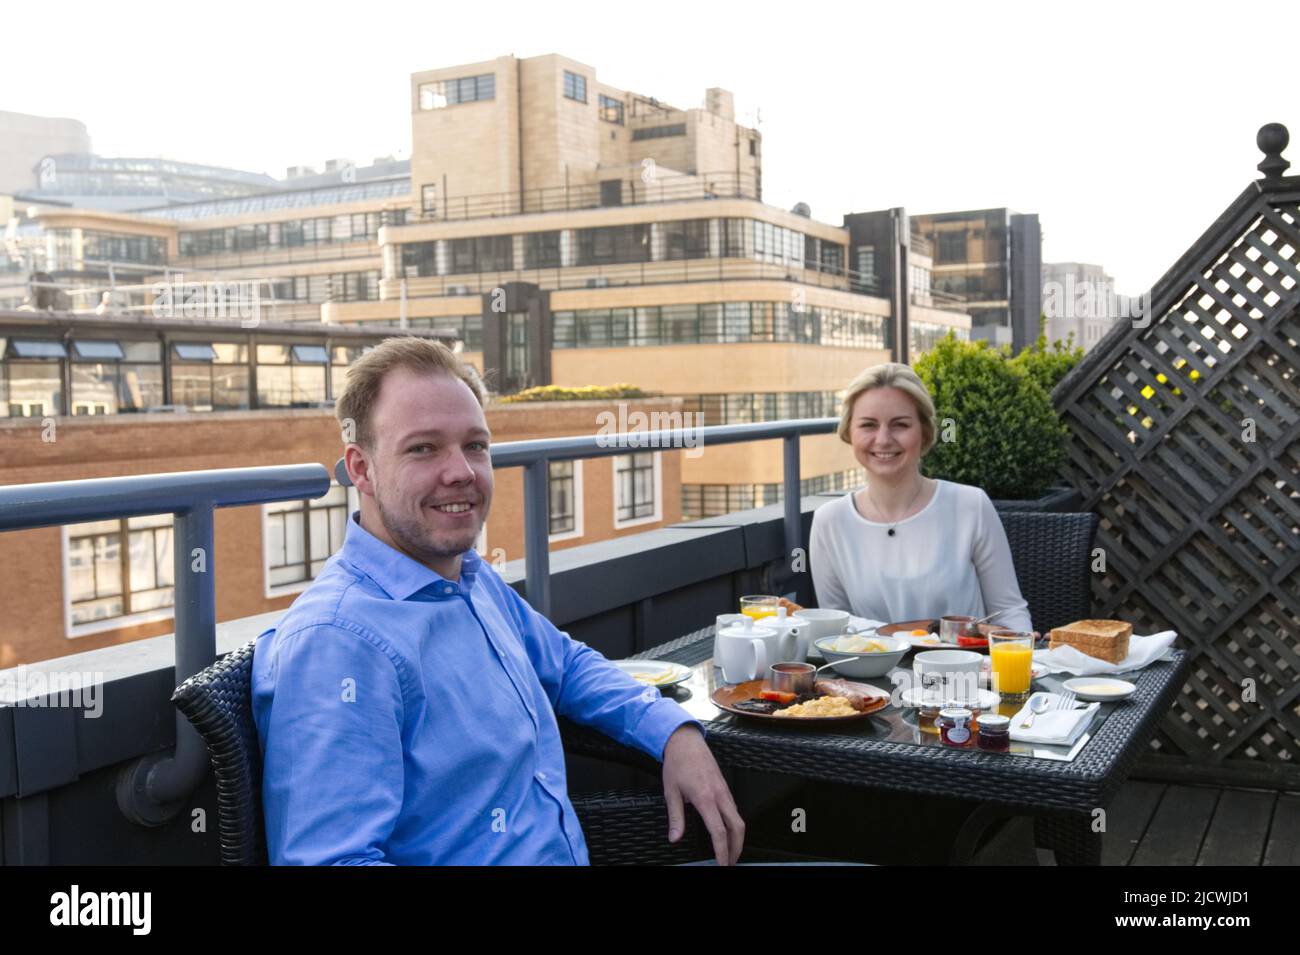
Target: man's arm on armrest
328, 704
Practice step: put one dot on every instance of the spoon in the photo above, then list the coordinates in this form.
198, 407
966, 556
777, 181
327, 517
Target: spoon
1038, 704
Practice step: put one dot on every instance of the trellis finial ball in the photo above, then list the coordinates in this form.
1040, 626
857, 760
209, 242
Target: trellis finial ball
1272, 138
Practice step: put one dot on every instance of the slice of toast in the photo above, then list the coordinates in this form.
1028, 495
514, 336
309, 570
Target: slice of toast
1104, 639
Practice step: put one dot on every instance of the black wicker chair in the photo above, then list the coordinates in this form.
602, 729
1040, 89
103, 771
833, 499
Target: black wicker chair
621, 827
1052, 554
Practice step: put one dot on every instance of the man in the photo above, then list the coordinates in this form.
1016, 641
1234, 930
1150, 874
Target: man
406, 703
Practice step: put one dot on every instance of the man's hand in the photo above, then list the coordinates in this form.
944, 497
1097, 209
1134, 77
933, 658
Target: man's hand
691, 774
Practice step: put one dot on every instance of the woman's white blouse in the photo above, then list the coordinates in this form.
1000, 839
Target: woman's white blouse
952, 557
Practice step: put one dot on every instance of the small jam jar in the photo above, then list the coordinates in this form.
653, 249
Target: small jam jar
929, 712
954, 724
974, 708
994, 733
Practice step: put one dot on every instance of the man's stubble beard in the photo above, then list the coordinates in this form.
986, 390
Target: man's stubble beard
413, 537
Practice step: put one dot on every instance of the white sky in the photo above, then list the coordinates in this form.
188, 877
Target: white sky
1127, 127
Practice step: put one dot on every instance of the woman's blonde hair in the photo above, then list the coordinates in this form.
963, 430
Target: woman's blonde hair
891, 375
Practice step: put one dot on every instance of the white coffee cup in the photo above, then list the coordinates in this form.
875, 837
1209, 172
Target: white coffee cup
823, 623
743, 651
956, 673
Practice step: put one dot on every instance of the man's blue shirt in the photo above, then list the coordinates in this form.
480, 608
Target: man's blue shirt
405, 718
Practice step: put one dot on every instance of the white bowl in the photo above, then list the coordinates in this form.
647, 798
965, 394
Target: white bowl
865, 663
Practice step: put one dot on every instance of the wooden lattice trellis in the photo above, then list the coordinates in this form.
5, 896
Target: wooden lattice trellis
1185, 439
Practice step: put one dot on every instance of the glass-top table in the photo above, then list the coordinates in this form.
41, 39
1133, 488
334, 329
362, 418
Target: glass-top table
888, 750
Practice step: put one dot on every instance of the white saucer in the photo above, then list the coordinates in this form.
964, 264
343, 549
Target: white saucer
912, 698
1115, 689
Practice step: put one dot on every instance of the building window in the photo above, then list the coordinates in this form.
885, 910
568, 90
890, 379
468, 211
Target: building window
636, 489
34, 376
210, 376
485, 253
419, 259
108, 582
353, 286
686, 239
614, 244
611, 110
565, 485
711, 323
467, 89
575, 87
542, 250
299, 536
659, 132
429, 199
951, 247
865, 265
109, 377
291, 376
342, 358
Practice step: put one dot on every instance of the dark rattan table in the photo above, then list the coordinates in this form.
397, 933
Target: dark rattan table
1062, 789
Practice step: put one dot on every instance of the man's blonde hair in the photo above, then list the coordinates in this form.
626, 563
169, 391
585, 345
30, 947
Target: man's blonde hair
891, 375
366, 377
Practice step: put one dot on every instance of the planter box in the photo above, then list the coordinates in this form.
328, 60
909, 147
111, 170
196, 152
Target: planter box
1057, 499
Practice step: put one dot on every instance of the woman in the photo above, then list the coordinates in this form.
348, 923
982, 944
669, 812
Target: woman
907, 547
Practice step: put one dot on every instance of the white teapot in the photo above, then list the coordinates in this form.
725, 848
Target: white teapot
796, 634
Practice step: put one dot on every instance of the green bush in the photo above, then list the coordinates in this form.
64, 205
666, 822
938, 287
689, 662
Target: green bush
996, 427
584, 393
1047, 365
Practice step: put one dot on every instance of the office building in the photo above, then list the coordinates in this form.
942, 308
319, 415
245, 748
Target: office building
992, 258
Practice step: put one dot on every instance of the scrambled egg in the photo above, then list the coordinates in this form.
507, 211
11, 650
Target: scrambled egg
822, 706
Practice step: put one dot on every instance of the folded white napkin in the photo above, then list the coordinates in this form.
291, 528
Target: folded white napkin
1142, 651
862, 623
1053, 727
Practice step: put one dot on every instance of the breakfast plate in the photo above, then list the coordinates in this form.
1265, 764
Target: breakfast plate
930, 640
726, 698
658, 673
1100, 689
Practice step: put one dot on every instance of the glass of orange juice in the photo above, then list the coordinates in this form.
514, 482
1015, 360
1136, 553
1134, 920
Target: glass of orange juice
1011, 652
759, 607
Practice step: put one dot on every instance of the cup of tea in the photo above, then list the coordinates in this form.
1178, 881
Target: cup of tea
955, 672
823, 623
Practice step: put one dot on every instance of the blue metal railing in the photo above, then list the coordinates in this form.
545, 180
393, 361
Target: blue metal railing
534, 456
153, 788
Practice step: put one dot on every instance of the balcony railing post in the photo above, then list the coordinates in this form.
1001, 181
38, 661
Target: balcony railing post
151, 788
793, 521
537, 525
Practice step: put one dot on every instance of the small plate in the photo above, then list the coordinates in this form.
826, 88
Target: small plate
726, 698
1100, 689
659, 673
911, 698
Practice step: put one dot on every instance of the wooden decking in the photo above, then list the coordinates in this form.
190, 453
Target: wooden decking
1150, 823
